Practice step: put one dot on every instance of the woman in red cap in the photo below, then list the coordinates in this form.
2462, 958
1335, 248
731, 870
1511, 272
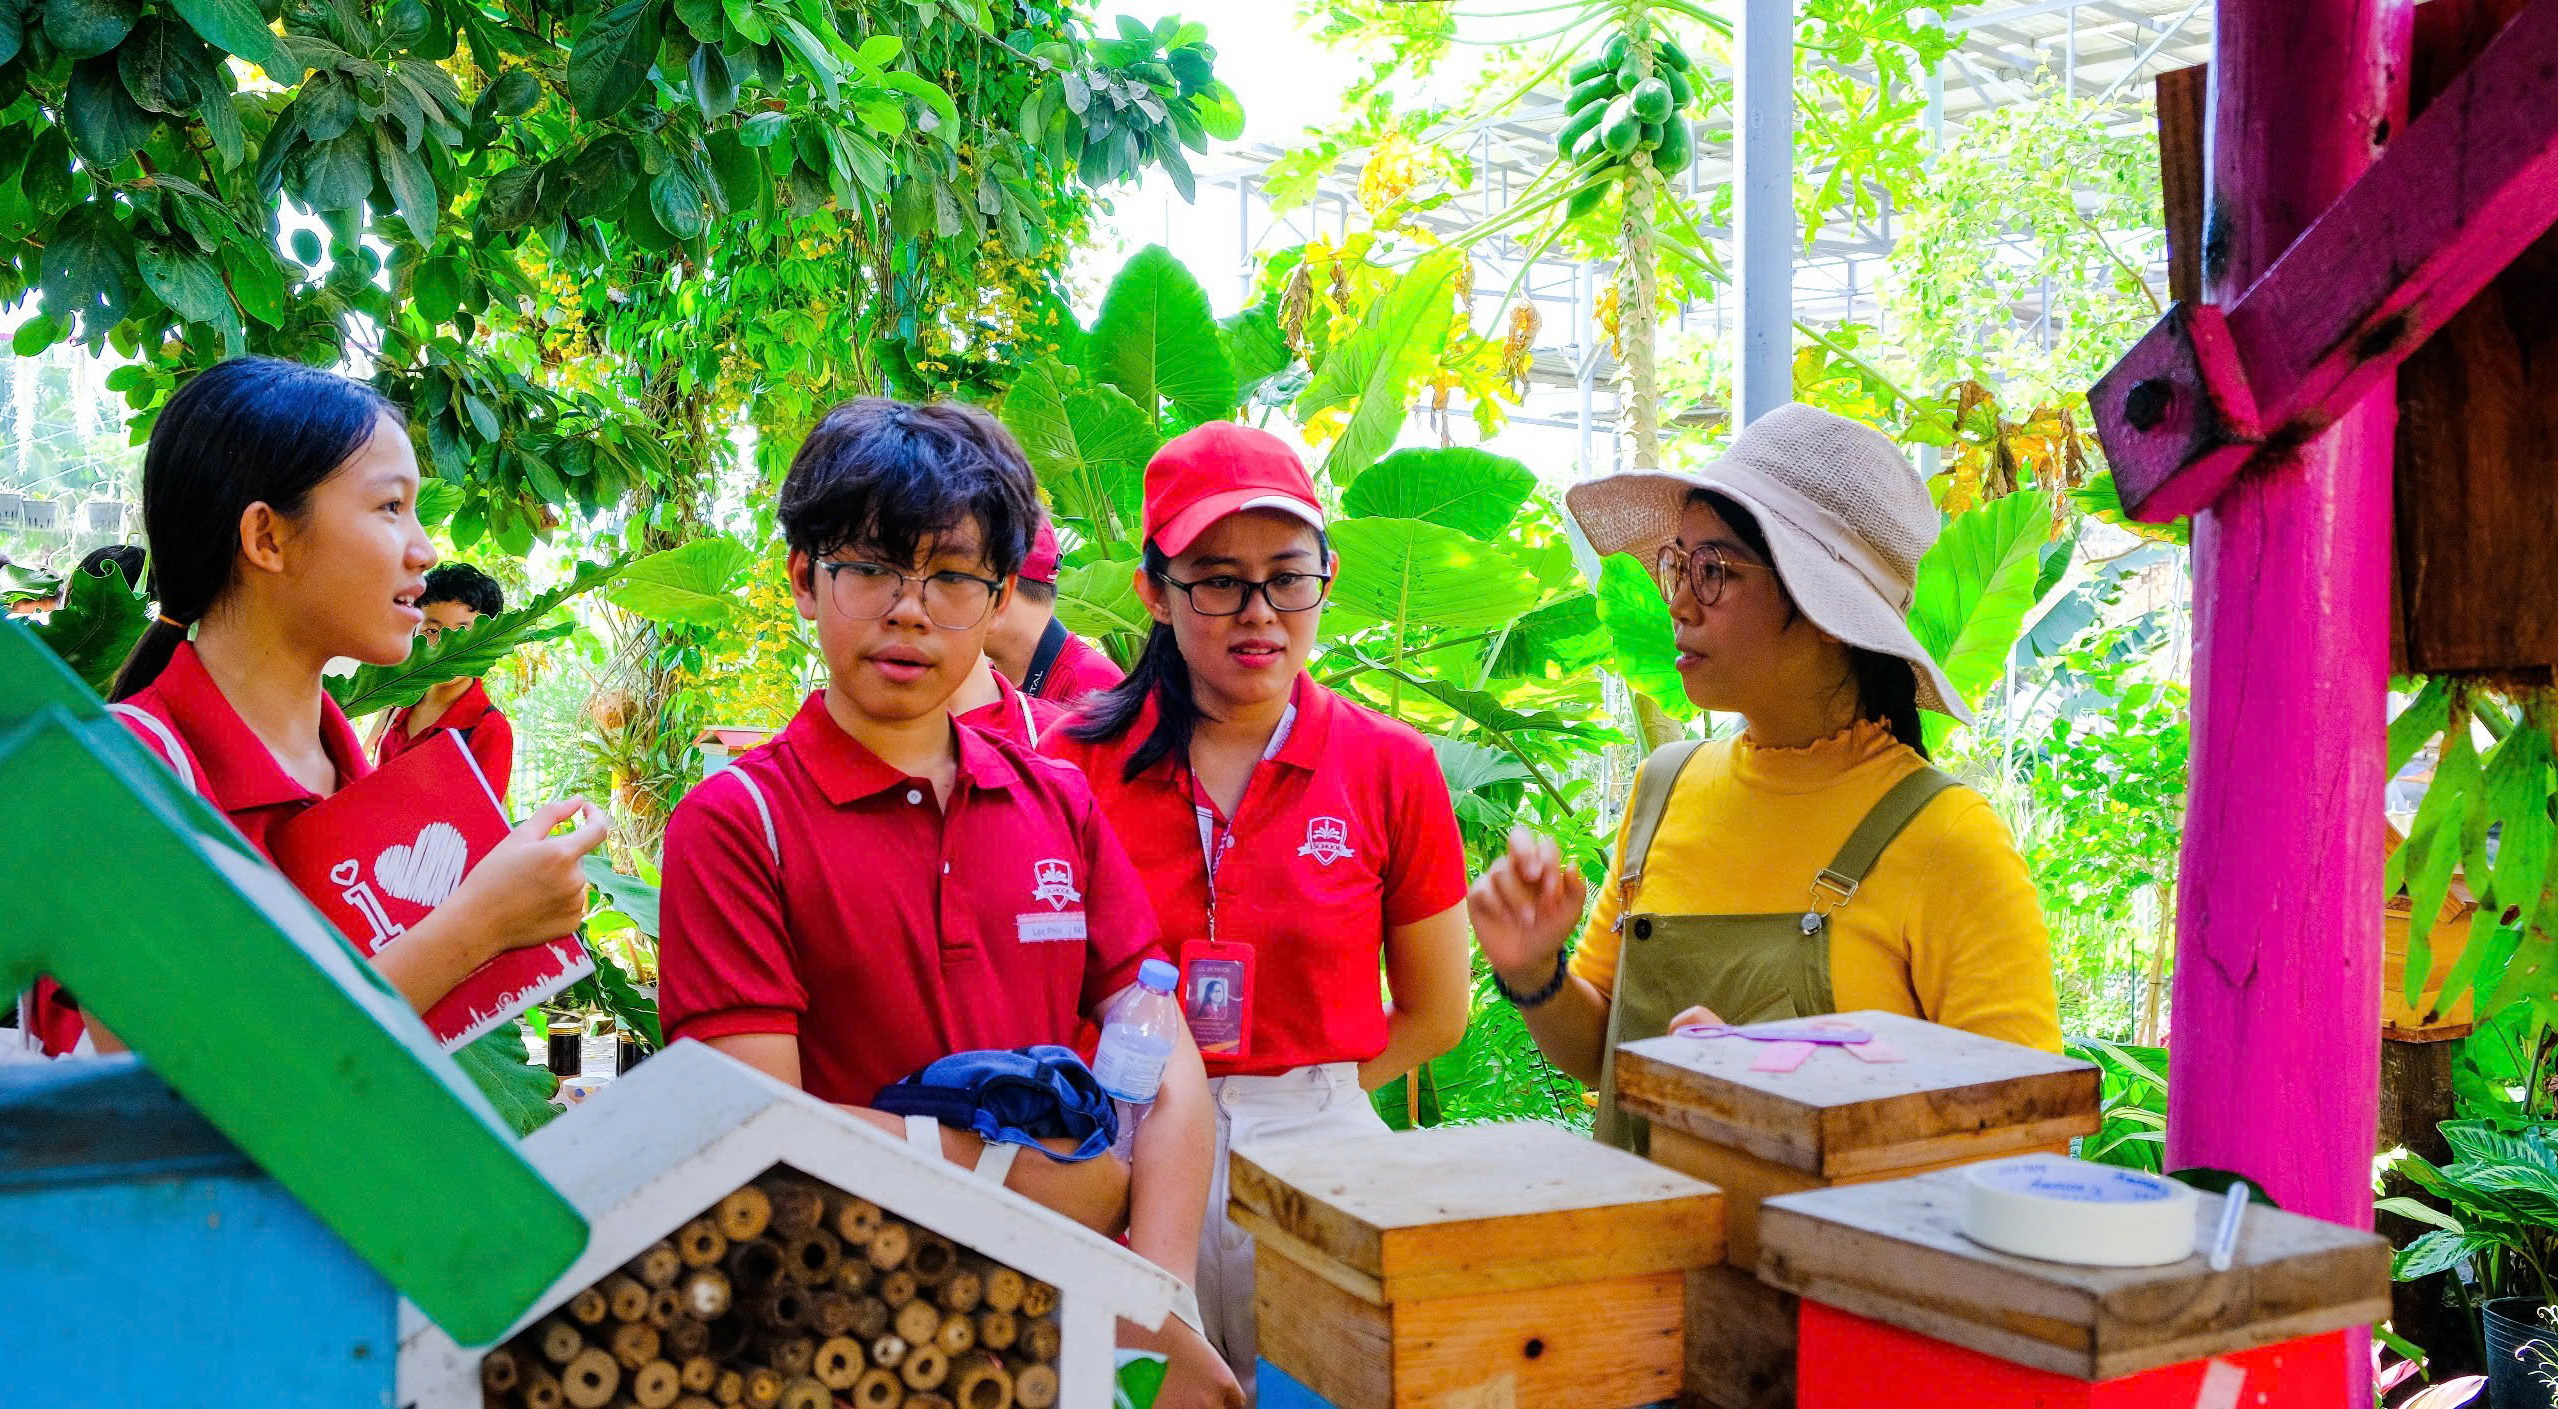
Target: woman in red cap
1290, 839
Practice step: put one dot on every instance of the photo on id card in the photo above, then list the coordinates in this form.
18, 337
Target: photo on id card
1216, 996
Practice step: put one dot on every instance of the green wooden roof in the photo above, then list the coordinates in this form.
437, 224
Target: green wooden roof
142, 900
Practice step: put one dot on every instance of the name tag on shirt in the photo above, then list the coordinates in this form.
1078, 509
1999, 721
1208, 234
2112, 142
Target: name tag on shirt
1036, 928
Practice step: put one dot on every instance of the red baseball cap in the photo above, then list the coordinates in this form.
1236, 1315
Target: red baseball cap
1041, 565
1222, 468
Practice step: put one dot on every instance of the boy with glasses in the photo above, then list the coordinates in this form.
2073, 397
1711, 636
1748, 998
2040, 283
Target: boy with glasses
878, 886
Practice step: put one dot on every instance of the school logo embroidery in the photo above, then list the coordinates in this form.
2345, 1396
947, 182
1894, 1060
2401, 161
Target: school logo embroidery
1055, 883
1327, 840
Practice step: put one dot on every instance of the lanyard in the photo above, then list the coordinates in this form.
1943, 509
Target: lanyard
1052, 644
1214, 840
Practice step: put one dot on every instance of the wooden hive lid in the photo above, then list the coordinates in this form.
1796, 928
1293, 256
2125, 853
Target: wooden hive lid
1479, 1208
1953, 1096
1895, 1252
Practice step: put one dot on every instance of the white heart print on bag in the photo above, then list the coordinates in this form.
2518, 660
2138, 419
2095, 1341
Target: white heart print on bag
425, 871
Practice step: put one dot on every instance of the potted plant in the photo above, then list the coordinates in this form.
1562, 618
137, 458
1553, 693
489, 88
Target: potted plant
2498, 1223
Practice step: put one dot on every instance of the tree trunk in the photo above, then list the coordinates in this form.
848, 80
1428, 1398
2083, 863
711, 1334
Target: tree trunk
1638, 303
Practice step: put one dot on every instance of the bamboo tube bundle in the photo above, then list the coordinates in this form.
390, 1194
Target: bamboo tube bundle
700, 1243
626, 1297
980, 1381
655, 1384
728, 1338
898, 1288
657, 1267
784, 1309
665, 1307
888, 1352
699, 1373
729, 1388
686, 1339
499, 1372
997, 1330
925, 1368
1041, 1342
797, 1207
696, 1401
918, 1322
540, 1390
634, 1345
589, 1307
806, 1394
791, 1358
927, 1401
888, 1246
870, 1319
1039, 1299
763, 1388
958, 1335
744, 1214
854, 1275
830, 1314
933, 1259
878, 1389
754, 1264
1035, 1387
708, 1294
811, 1258
591, 1378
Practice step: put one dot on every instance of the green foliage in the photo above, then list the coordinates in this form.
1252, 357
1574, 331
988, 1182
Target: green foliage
96, 626
521, 1092
1975, 586
2509, 956
692, 585
1374, 371
1472, 491
2133, 1110
2495, 1206
463, 654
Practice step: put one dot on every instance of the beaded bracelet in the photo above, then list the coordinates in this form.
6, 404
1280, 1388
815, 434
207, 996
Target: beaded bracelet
1524, 1001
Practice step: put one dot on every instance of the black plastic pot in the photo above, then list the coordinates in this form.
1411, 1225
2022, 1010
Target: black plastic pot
2514, 1378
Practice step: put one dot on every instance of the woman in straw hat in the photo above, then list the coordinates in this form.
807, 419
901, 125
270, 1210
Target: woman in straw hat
1814, 862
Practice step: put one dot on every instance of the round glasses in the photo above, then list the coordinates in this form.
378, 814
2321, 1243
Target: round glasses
1228, 596
1704, 568
955, 601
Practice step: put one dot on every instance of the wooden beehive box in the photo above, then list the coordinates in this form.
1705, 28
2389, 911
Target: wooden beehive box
1952, 1099
1894, 1253
653, 1159
1478, 1265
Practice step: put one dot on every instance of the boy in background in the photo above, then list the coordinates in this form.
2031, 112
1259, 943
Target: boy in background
457, 594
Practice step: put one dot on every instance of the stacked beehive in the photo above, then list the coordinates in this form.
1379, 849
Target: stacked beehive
788, 1294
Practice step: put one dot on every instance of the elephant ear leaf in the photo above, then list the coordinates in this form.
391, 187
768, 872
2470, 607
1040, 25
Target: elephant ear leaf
96, 626
1473, 491
1158, 341
1975, 586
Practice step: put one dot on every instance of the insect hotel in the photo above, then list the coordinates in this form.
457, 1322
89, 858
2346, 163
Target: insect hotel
753, 1245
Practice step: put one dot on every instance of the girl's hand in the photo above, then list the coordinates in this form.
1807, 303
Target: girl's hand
1524, 906
529, 889
1697, 1016
1195, 1376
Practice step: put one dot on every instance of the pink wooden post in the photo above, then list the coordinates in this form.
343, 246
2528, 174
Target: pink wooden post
2277, 994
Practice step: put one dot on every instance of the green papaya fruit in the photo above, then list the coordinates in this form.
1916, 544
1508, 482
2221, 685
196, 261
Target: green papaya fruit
1586, 201
1651, 135
1628, 75
1677, 149
1618, 47
1682, 92
1594, 93
1583, 120
1621, 135
1673, 55
1588, 69
1651, 99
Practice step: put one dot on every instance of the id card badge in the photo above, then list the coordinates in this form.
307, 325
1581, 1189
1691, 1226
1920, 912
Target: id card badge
1216, 996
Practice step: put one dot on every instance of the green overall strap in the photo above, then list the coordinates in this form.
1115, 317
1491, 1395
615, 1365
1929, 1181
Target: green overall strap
1894, 812
1654, 780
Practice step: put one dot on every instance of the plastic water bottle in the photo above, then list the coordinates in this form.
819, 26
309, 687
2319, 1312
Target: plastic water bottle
1136, 1040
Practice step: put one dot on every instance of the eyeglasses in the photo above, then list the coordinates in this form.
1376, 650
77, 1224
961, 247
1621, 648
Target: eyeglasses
1228, 596
955, 601
1704, 568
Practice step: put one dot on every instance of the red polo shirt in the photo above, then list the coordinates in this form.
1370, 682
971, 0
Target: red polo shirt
813, 890
483, 728
184, 718
1344, 833
1015, 717
1079, 670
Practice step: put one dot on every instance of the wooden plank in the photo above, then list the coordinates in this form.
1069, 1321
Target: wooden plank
2445, 209
1955, 1096
1740, 1343
1895, 1252
2183, 109
1435, 1212
2477, 588
1608, 1345
1331, 1342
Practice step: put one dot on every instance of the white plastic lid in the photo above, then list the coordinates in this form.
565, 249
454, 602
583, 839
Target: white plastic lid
1158, 975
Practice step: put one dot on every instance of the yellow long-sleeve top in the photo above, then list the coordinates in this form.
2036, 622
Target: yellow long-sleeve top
1946, 926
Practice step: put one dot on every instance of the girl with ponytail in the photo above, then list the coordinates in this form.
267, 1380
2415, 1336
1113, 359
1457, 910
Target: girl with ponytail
1815, 862
279, 507
1291, 840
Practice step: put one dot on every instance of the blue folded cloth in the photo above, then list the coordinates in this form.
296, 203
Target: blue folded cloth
1014, 1098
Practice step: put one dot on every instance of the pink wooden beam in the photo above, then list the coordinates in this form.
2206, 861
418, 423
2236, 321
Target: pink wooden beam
2445, 209
2276, 1072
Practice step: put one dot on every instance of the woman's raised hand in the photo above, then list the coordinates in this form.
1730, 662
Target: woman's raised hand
530, 888
1524, 906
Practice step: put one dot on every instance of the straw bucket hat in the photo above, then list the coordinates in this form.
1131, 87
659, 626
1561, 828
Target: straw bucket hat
1846, 519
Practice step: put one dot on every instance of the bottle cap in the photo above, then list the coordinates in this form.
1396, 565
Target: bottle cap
1158, 975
